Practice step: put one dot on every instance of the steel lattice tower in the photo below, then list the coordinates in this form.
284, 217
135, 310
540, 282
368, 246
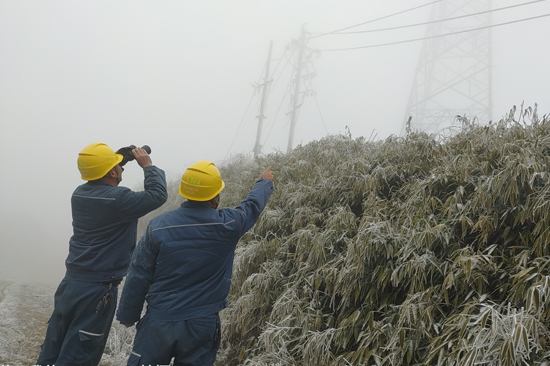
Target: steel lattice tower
453, 76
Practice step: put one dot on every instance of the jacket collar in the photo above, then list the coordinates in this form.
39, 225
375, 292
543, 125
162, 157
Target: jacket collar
97, 183
194, 204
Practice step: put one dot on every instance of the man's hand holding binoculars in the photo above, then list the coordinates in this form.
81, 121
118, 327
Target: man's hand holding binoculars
142, 157
140, 154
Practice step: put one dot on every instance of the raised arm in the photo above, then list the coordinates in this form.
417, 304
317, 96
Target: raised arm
250, 209
133, 205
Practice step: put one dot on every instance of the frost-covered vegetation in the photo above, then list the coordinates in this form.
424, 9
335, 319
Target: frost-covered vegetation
407, 251
24, 312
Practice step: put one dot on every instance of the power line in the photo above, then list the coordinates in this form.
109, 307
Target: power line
310, 88
240, 125
275, 82
278, 110
320, 114
245, 116
439, 20
281, 73
278, 64
375, 20
440, 35
249, 122
248, 110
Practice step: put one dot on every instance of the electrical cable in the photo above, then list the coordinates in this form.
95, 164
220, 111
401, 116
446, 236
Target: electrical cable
278, 110
320, 114
279, 77
300, 107
249, 122
289, 61
272, 76
247, 111
238, 129
245, 115
315, 99
276, 80
375, 20
319, 110
439, 20
308, 88
440, 35
279, 63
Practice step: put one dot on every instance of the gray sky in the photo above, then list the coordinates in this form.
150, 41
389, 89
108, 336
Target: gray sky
177, 75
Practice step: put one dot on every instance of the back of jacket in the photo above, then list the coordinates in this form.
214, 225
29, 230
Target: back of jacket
184, 261
195, 245
105, 224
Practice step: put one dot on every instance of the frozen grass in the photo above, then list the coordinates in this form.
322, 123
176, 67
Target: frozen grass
24, 312
420, 250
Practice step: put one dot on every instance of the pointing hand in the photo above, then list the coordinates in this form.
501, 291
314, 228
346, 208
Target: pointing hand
267, 174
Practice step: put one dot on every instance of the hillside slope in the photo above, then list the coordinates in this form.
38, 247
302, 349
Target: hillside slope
407, 251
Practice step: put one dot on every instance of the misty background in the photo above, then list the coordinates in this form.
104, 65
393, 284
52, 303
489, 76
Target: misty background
179, 76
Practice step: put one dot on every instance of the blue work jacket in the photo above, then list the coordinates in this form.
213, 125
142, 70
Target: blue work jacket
183, 263
105, 226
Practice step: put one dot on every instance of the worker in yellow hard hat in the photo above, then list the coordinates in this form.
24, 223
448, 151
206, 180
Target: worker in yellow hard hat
104, 235
96, 160
202, 182
183, 265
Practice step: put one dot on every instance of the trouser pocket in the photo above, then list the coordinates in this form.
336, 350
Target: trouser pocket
133, 360
90, 341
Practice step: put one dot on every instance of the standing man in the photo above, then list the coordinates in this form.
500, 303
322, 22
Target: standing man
182, 266
104, 235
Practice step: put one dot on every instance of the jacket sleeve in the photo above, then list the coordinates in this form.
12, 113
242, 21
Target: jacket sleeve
140, 276
250, 209
133, 205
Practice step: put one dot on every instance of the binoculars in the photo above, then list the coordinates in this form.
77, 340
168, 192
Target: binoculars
127, 155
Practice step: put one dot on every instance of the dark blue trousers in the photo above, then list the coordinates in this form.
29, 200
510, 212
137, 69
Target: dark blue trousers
192, 342
77, 333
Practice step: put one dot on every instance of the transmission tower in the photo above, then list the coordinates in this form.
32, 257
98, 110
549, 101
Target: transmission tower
453, 76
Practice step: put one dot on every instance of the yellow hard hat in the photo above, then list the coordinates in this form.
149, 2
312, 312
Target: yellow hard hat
202, 181
95, 160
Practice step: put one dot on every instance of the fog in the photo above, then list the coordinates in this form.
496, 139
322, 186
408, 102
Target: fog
178, 76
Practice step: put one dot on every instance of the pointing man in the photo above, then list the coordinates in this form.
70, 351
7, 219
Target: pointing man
182, 266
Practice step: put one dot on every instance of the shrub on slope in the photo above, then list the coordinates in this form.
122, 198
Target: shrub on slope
407, 251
